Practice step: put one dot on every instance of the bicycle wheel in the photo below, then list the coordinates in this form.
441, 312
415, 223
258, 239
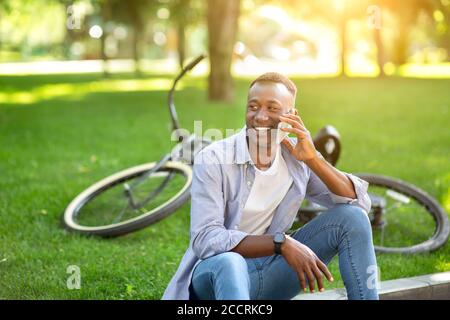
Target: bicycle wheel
105, 208
405, 219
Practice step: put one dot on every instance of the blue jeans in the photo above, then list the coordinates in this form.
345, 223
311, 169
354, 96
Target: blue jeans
344, 230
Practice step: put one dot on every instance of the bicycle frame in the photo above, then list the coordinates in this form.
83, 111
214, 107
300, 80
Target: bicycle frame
172, 109
185, 150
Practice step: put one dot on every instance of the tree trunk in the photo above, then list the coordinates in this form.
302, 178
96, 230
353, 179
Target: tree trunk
181, 44
106, 16
103, 55
138, 27
401, 45
69, 36
222, 18
380, 51
136, 47
0, 28
343, 38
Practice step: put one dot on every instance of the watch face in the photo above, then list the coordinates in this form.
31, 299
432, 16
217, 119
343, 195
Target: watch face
279, 238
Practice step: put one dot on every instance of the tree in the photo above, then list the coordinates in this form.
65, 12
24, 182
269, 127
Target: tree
135, 13
179, 15
4, 5
105, 11
442, 30
137, 21
222, 18
375, 23
183, 14
334, 12
406, 13
342, 17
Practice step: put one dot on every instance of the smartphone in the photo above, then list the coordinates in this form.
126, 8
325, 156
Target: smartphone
281, 135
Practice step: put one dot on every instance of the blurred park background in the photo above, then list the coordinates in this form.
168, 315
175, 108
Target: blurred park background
83, 90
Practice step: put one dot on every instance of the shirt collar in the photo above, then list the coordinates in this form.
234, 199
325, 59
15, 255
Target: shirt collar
242, 155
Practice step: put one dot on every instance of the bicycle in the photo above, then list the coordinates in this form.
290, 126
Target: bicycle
142, 195
404, 218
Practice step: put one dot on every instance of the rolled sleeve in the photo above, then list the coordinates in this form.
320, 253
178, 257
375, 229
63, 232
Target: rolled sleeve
209, 236
362, 197
318, 192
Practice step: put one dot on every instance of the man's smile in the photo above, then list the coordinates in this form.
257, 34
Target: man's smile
263, 128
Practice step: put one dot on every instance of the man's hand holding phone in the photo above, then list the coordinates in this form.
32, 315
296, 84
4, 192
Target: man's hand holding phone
304, 150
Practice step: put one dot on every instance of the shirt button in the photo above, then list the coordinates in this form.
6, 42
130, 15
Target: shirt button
249, 183
236, 227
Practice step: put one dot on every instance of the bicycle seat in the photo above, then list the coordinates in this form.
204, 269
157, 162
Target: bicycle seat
328, 143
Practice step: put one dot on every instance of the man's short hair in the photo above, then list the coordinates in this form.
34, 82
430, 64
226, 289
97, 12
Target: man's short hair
277, 78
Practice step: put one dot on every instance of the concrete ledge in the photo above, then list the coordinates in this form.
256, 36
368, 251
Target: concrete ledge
432, 286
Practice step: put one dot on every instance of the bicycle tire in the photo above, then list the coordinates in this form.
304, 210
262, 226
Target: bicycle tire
137, 223
439, 215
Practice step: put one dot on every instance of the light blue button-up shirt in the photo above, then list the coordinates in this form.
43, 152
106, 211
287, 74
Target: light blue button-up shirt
222, 177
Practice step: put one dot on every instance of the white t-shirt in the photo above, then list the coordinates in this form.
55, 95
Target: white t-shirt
269, 188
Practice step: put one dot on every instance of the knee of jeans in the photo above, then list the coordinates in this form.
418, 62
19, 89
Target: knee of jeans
354, 219
231, 262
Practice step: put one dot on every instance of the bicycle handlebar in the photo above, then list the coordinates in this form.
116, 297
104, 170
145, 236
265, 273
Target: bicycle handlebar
173, 112
195, 62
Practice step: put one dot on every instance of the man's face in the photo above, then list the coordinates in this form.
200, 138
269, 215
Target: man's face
266, 102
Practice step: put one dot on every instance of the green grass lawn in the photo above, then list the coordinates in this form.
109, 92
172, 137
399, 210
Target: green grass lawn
60, 133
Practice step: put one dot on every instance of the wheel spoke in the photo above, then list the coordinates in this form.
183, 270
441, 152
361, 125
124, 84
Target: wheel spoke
121, 213
119, 203
153, 194
405, 220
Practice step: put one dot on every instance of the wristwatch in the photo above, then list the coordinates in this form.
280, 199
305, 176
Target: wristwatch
278, 240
